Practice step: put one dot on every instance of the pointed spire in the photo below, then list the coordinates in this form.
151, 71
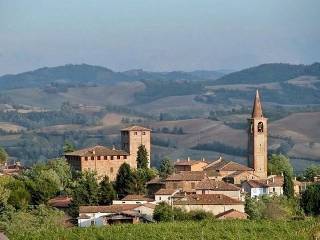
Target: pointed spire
257, 109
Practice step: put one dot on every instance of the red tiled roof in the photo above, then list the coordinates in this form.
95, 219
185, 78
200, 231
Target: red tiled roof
213, 185
188, 162
207, 199
97, 151
156, 180
134, 197
117, 208
276, 181
232, 214
224, 165
165, 191
60, 201
136, 128
187, 176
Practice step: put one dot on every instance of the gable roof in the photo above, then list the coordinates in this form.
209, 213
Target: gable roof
187, 176
209, 184
188, 162
97, 151
232, 213
60, 201
136, 197
225, 165
156, 180
136, 128
108, 209
207, 199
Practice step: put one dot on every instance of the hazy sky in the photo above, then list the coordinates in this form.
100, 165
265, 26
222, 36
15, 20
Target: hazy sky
157, 35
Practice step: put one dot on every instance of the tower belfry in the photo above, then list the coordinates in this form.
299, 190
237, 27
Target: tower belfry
258, 139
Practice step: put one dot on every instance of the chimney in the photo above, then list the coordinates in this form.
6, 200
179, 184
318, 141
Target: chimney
273, 179
203, 159
113, 147
188, 159
282, 174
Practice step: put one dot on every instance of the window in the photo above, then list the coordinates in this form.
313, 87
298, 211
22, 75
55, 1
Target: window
118, 157
86, 158
274, 189
135, 133
105, 157
143, 133
111, 157
124, 157
99, 158
260, 127
111, 170
92, 158
159, 198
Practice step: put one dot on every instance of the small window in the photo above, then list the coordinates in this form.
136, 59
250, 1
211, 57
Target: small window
99, 158
135, 133
86, 158
92, 158
124, 157
111, 170
159, 198
260, 127
118, 157
274, 189
105, 157
111, 157
143, 133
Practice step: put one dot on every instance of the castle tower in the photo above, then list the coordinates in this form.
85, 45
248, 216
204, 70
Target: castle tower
258, 140
132, 138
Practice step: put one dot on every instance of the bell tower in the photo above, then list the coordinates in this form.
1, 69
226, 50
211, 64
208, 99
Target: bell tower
258, 139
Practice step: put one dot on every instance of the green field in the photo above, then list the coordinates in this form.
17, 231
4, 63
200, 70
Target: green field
222, 229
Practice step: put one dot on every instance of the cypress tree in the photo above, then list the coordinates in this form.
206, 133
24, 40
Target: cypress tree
288, 190
142, 157
106, 192
125, 180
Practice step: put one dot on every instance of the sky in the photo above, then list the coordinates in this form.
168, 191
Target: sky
157, 35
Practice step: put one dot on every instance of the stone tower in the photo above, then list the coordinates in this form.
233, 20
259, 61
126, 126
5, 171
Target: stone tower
258, 140
132, 138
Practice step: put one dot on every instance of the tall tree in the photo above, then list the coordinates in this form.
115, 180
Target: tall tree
3, 155
142, 157
85, 192
68, 147
106, 192
311, 172
288, 190
166, 168
310, 200
125, 180
278, 164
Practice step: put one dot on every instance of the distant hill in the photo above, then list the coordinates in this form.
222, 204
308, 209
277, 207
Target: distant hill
267, 73
88, 75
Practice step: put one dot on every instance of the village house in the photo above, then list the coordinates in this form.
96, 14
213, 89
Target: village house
209, 186
185, 181
165, 195
114, 214
11, 169
213, 203
107, 161
155, 185
189, 165
133, 199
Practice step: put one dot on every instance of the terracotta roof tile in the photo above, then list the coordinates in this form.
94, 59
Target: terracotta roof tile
135, 197
213, 185
97, 151
187, 176
207, 199
165, 191
156, 180
60, 201
117, 208
225, 165
232, 214
188, 162
136, 128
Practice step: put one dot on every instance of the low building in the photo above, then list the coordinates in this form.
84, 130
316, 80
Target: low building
213, 203
113, 214
165, 195
189, 165
60, 202
271, 186
12, 169
185, 181
232, 214
133, 199
209, 186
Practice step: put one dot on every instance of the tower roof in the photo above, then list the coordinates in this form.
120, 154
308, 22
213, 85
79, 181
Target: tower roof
257, 109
